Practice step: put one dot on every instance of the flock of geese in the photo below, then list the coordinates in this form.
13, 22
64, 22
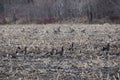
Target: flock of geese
53, 51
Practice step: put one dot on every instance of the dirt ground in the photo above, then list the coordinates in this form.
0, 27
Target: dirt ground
60, 52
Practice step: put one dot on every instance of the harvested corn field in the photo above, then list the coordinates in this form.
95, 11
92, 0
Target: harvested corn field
60, 52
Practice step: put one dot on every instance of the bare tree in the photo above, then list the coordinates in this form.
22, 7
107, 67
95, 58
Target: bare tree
42, 9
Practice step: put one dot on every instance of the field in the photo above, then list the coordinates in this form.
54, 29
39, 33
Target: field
60, 52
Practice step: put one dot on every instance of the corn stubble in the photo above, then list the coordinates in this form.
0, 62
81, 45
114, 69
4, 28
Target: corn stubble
54, 52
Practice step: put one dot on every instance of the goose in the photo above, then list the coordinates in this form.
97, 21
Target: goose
53, 51
18, 50
61, 52
106, 48
71, 47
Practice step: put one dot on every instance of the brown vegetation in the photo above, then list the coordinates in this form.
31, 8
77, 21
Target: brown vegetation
60, 52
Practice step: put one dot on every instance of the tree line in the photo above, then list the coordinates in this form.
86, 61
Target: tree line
27, 11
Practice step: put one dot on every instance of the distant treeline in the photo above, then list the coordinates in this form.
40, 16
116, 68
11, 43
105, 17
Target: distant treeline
50, 11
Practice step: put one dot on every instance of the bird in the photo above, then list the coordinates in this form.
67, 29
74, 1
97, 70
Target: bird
61, 52
13, 55
53, 51
10, 55
71, 47
106, 48
25, 50
57, 30
18, 50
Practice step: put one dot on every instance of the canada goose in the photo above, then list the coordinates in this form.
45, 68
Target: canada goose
18, 50
57, 31
71, 47
25, 50
61, 52
53, 51
12, 55
106, 48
